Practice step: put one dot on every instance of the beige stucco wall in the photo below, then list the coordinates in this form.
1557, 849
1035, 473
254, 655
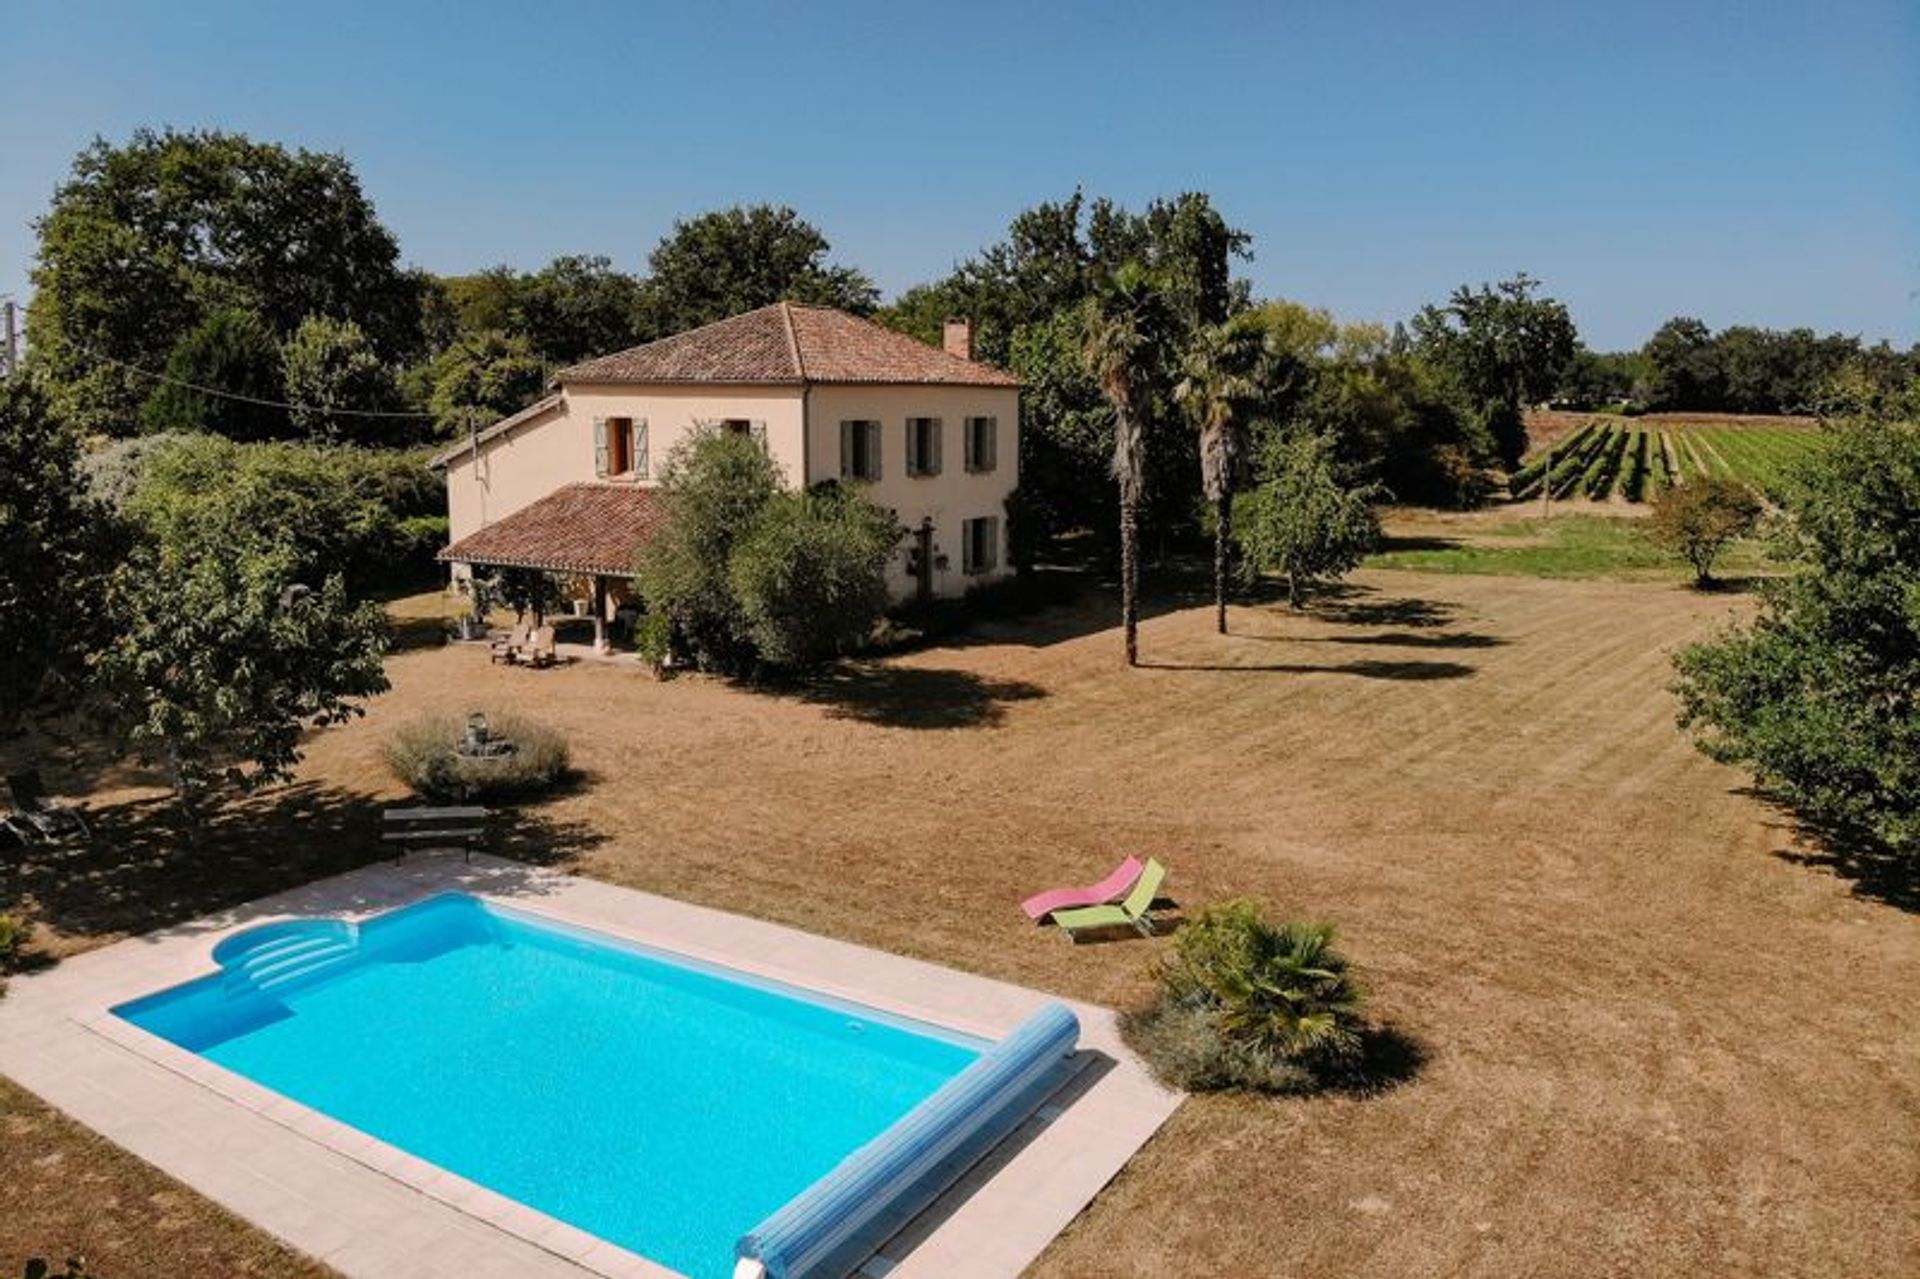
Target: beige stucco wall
556, 447
948, 498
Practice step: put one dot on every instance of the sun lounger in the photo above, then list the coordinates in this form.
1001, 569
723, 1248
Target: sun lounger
36, 815
505, 650
1112, 888
1133, 910
540, 650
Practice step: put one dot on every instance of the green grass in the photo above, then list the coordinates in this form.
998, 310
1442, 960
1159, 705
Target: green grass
1598, 460
1565, 546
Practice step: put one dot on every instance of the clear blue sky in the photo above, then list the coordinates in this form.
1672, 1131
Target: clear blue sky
1751, 162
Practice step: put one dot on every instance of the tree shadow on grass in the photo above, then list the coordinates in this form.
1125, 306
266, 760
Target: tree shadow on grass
1350, 605
140, 874
910, 696
1876, 872
1408, 670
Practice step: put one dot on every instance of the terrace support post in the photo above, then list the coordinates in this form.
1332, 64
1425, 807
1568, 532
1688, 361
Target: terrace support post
600, 615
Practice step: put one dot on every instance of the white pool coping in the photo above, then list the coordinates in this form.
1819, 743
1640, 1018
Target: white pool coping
370, 1209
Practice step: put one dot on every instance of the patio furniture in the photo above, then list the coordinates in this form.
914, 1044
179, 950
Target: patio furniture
36, 816
507, 650
1132, 911
1115, 885
455, 827
540, 650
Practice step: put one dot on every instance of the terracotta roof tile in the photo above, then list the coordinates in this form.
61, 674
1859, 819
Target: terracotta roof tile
582, 528
788, 344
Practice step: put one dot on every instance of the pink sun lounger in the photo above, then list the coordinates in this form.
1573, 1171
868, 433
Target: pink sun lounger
1112, 888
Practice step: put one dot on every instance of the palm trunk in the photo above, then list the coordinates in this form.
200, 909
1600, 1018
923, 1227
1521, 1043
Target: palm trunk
1222, 529
1130, 579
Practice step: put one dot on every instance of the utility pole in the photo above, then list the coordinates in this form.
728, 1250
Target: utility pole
11, 342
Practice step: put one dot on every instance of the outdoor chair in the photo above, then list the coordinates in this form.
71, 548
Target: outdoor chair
507, 650
1115, 885
39, 817
540, 650
1134, 909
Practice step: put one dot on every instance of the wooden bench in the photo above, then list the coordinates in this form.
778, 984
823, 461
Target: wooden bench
434, 828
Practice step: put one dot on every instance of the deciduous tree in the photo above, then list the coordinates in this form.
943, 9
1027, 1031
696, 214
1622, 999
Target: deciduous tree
335, 381
732, 260
1698, 520
225, 377
50, 533
1300, 521
1820, 696
146, 239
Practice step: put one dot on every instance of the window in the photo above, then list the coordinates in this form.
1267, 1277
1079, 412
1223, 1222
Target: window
745, 426
620, 447
859, 450
982, 443
923, 446
980, 545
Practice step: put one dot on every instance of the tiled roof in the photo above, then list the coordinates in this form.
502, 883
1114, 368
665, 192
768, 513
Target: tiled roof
788, 344
582, 528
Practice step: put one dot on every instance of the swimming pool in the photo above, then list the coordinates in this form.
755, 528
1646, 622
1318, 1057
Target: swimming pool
680, 1110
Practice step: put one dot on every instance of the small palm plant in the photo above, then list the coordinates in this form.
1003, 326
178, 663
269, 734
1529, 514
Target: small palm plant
1247, 1003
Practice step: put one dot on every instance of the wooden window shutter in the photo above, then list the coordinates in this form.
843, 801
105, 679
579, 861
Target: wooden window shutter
935, 430
846, 450
759, 432
966, 545
600, 447
990, 439
639, 451
873, 450
916, 465
968, 444
990, 540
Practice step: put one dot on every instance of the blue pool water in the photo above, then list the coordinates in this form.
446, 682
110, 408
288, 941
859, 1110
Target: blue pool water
662, 1105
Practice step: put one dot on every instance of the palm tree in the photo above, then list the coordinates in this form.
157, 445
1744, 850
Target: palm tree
1124, 327
1217, 386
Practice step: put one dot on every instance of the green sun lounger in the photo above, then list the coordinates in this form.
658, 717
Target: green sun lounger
1132, 910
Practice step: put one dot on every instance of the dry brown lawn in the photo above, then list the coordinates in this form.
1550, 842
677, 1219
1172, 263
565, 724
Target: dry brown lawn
1653, 1044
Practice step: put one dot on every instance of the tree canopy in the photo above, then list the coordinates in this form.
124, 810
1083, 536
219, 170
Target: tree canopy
146, 239
1507, 347
50, 531
1817, 696
732, 260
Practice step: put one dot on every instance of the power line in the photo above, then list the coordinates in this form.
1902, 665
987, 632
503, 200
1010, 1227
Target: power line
251, 399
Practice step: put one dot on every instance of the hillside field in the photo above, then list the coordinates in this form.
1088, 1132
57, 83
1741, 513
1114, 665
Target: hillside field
1634, 459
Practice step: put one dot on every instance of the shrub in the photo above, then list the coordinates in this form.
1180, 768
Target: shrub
1699, 519
715, 485
423, 753
1246, 1003
653, 638
810, 577
11, 932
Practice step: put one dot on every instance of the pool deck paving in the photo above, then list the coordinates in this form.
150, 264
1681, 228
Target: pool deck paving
369, 1209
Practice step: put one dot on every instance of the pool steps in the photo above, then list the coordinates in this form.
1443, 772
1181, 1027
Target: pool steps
273, 957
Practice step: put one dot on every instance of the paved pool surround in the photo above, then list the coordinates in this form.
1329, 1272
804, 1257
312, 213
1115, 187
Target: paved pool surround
367, 1208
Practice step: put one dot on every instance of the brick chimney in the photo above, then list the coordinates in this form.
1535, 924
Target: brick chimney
959, 337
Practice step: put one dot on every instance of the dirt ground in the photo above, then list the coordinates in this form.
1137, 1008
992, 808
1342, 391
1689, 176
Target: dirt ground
1654, 1040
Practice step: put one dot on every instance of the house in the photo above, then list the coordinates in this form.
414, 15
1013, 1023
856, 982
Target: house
569, 484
